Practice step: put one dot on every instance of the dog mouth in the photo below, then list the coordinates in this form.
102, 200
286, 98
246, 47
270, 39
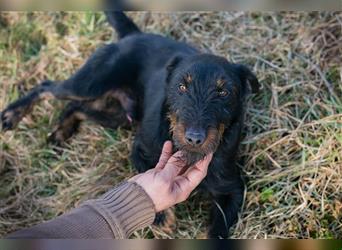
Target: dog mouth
194, 147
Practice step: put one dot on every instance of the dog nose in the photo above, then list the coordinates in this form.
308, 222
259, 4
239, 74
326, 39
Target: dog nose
195, 137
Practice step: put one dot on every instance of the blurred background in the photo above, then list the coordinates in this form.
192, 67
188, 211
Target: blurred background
165, 5
291, 152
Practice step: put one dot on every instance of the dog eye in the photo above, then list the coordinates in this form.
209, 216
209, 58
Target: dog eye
222, 92
182, 87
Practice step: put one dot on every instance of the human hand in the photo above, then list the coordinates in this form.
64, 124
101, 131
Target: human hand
166, 184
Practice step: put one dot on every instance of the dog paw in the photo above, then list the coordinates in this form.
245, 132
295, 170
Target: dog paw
56, 138
6, 123
61, 134
10, 118
160, 219
166, 221
218, 234
15, 112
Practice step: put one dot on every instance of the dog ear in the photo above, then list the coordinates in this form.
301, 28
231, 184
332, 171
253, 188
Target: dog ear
248, 77
171, 65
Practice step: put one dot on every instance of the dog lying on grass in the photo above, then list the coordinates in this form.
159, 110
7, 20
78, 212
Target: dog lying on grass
169, 90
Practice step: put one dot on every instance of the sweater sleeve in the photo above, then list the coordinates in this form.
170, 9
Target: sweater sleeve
115, 215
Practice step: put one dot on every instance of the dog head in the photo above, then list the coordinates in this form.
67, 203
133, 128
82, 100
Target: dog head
205, 95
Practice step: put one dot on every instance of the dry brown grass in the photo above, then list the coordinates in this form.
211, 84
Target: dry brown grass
292, 149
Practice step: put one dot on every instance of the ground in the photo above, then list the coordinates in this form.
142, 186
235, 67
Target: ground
292, 146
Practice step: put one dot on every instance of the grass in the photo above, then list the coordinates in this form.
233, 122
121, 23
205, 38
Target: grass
292, 147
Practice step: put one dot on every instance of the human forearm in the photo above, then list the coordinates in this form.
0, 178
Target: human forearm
116, 214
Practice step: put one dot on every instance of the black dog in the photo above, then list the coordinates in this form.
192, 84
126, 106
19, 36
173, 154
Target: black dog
171, 91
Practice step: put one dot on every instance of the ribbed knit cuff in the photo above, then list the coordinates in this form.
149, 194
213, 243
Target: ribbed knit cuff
126, 208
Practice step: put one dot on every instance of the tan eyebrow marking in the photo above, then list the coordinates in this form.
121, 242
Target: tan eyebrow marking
220, 83
188, 78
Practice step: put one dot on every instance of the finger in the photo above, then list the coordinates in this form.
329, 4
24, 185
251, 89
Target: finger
173, 167
201, 165
187, 182
204, 164
165, 155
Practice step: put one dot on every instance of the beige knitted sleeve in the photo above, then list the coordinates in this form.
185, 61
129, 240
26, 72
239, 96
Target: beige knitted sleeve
115, 215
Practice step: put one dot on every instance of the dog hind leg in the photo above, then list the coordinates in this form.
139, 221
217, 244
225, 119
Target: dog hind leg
93, 80
77, 112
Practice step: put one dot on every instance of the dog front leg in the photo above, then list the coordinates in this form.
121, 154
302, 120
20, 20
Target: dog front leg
225, 210
13, 114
